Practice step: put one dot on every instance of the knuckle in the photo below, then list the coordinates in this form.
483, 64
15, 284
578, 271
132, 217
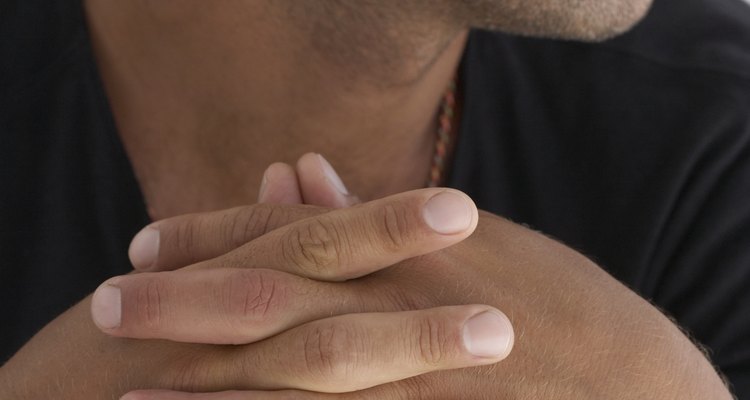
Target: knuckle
150, 300
395, 222
331, 352
432, 341
315, 247
251, 297
187, 235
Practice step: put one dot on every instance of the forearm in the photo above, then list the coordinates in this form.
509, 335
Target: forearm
71, 359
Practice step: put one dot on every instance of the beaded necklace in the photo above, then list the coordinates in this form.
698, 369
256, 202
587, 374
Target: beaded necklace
446, 136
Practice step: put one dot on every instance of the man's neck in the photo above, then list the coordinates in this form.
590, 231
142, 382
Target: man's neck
205, 97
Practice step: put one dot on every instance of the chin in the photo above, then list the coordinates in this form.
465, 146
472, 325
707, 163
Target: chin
585, 20
621, 20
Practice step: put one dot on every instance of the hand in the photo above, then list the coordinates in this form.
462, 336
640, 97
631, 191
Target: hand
320, 356
582, 335
313, 182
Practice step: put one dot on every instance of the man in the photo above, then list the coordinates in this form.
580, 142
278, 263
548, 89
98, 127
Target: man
633, 151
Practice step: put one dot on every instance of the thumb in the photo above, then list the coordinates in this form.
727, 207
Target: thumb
320, 185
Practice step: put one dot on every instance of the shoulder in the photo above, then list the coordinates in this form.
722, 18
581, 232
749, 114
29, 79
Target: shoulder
621, 133
684, 69
709, 36
684, 36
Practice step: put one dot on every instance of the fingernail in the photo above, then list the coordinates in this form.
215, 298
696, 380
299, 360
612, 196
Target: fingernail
262, 190
448, 213
488, 334
106, 307
144, 248
332, 177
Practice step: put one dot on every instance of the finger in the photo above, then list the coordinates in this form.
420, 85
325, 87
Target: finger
279, 185
228, 395
321, 185
409, 389
225, 306
359, 351
416, 388
176, 242
353, 242
172, 395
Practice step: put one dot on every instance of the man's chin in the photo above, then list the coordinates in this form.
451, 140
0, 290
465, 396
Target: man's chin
616, 23
584, 20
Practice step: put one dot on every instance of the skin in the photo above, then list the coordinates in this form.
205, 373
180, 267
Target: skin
197, 90
184, 83
677, 373
82, 362
581, 334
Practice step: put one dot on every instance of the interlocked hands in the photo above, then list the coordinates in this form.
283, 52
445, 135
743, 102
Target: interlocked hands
390, 299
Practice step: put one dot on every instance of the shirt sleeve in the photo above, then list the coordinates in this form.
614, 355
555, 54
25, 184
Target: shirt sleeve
704, 252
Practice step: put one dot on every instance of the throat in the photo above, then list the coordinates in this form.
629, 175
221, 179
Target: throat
178, 178
203, 106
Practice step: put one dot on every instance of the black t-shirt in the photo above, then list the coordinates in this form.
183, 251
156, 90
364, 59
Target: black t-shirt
635, 152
